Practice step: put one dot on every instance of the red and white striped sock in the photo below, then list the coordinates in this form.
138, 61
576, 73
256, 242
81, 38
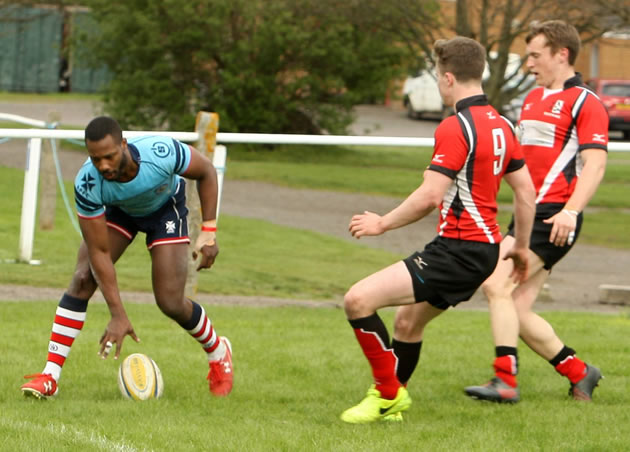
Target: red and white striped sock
69, 320
200, 327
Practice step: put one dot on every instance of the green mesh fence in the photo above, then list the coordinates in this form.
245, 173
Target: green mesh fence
30, 40
31, 55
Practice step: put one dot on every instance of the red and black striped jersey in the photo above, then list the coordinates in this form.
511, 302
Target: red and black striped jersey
555, 126
475, 148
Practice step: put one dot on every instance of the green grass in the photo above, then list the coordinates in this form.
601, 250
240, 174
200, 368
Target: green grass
296, 370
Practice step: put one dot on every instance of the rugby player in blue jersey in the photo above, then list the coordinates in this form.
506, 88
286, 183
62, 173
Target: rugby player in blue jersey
126, 187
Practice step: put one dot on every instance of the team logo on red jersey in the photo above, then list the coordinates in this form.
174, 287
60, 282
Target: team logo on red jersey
557, 107
600, 137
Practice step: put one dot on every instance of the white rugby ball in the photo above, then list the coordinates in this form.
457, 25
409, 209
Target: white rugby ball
139, 378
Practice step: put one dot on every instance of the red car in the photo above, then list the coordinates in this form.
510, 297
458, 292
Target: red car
615, 94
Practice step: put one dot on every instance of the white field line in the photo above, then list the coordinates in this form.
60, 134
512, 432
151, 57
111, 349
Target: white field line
76, 435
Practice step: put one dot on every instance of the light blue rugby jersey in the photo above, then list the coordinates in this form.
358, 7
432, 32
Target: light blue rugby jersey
160, 160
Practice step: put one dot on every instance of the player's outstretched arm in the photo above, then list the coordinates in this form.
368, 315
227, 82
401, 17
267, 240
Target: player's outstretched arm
524, 210
417, 205
97, 240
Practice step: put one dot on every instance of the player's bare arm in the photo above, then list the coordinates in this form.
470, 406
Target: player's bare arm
524, 212
96, 238
202, 170
565, 221
417, 205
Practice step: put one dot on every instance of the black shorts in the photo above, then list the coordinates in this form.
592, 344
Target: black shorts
167, 225
449, 271
539, 242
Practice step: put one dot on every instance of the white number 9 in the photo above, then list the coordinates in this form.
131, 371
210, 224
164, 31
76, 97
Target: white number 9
498, 142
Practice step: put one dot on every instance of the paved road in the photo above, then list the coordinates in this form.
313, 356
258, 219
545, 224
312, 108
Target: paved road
72, 112
377, 120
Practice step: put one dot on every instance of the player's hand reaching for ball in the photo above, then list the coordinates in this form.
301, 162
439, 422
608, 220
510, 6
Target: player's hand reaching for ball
115, 332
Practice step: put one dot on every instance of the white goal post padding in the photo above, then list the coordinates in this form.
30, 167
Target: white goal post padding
29, 200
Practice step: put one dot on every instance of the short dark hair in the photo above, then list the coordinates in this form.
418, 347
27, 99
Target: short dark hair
559, 35
465, 58
100, 127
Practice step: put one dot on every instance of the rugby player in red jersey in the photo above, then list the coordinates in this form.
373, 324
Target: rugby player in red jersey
564, 136
474, 149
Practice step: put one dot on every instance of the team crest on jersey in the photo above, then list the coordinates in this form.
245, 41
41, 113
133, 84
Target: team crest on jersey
87, 184
161, 189
490, 115
160, 149
557, 107
170, 227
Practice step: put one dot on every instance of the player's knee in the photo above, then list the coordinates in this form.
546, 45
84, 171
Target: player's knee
171, 308
495, 290
404, 328
83, 282
353, 302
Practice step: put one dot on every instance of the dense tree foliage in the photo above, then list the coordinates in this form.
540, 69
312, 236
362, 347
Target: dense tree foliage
263, 65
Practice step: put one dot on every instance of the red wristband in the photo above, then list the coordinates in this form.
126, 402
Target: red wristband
209, 228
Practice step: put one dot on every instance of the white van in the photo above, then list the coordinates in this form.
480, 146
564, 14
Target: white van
422, 98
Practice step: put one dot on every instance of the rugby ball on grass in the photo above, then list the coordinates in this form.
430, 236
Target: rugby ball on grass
139, 378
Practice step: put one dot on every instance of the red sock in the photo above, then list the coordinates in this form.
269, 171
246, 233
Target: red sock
382, 360
573, 368
505, 369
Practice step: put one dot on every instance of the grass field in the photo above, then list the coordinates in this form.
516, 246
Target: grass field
296, 370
